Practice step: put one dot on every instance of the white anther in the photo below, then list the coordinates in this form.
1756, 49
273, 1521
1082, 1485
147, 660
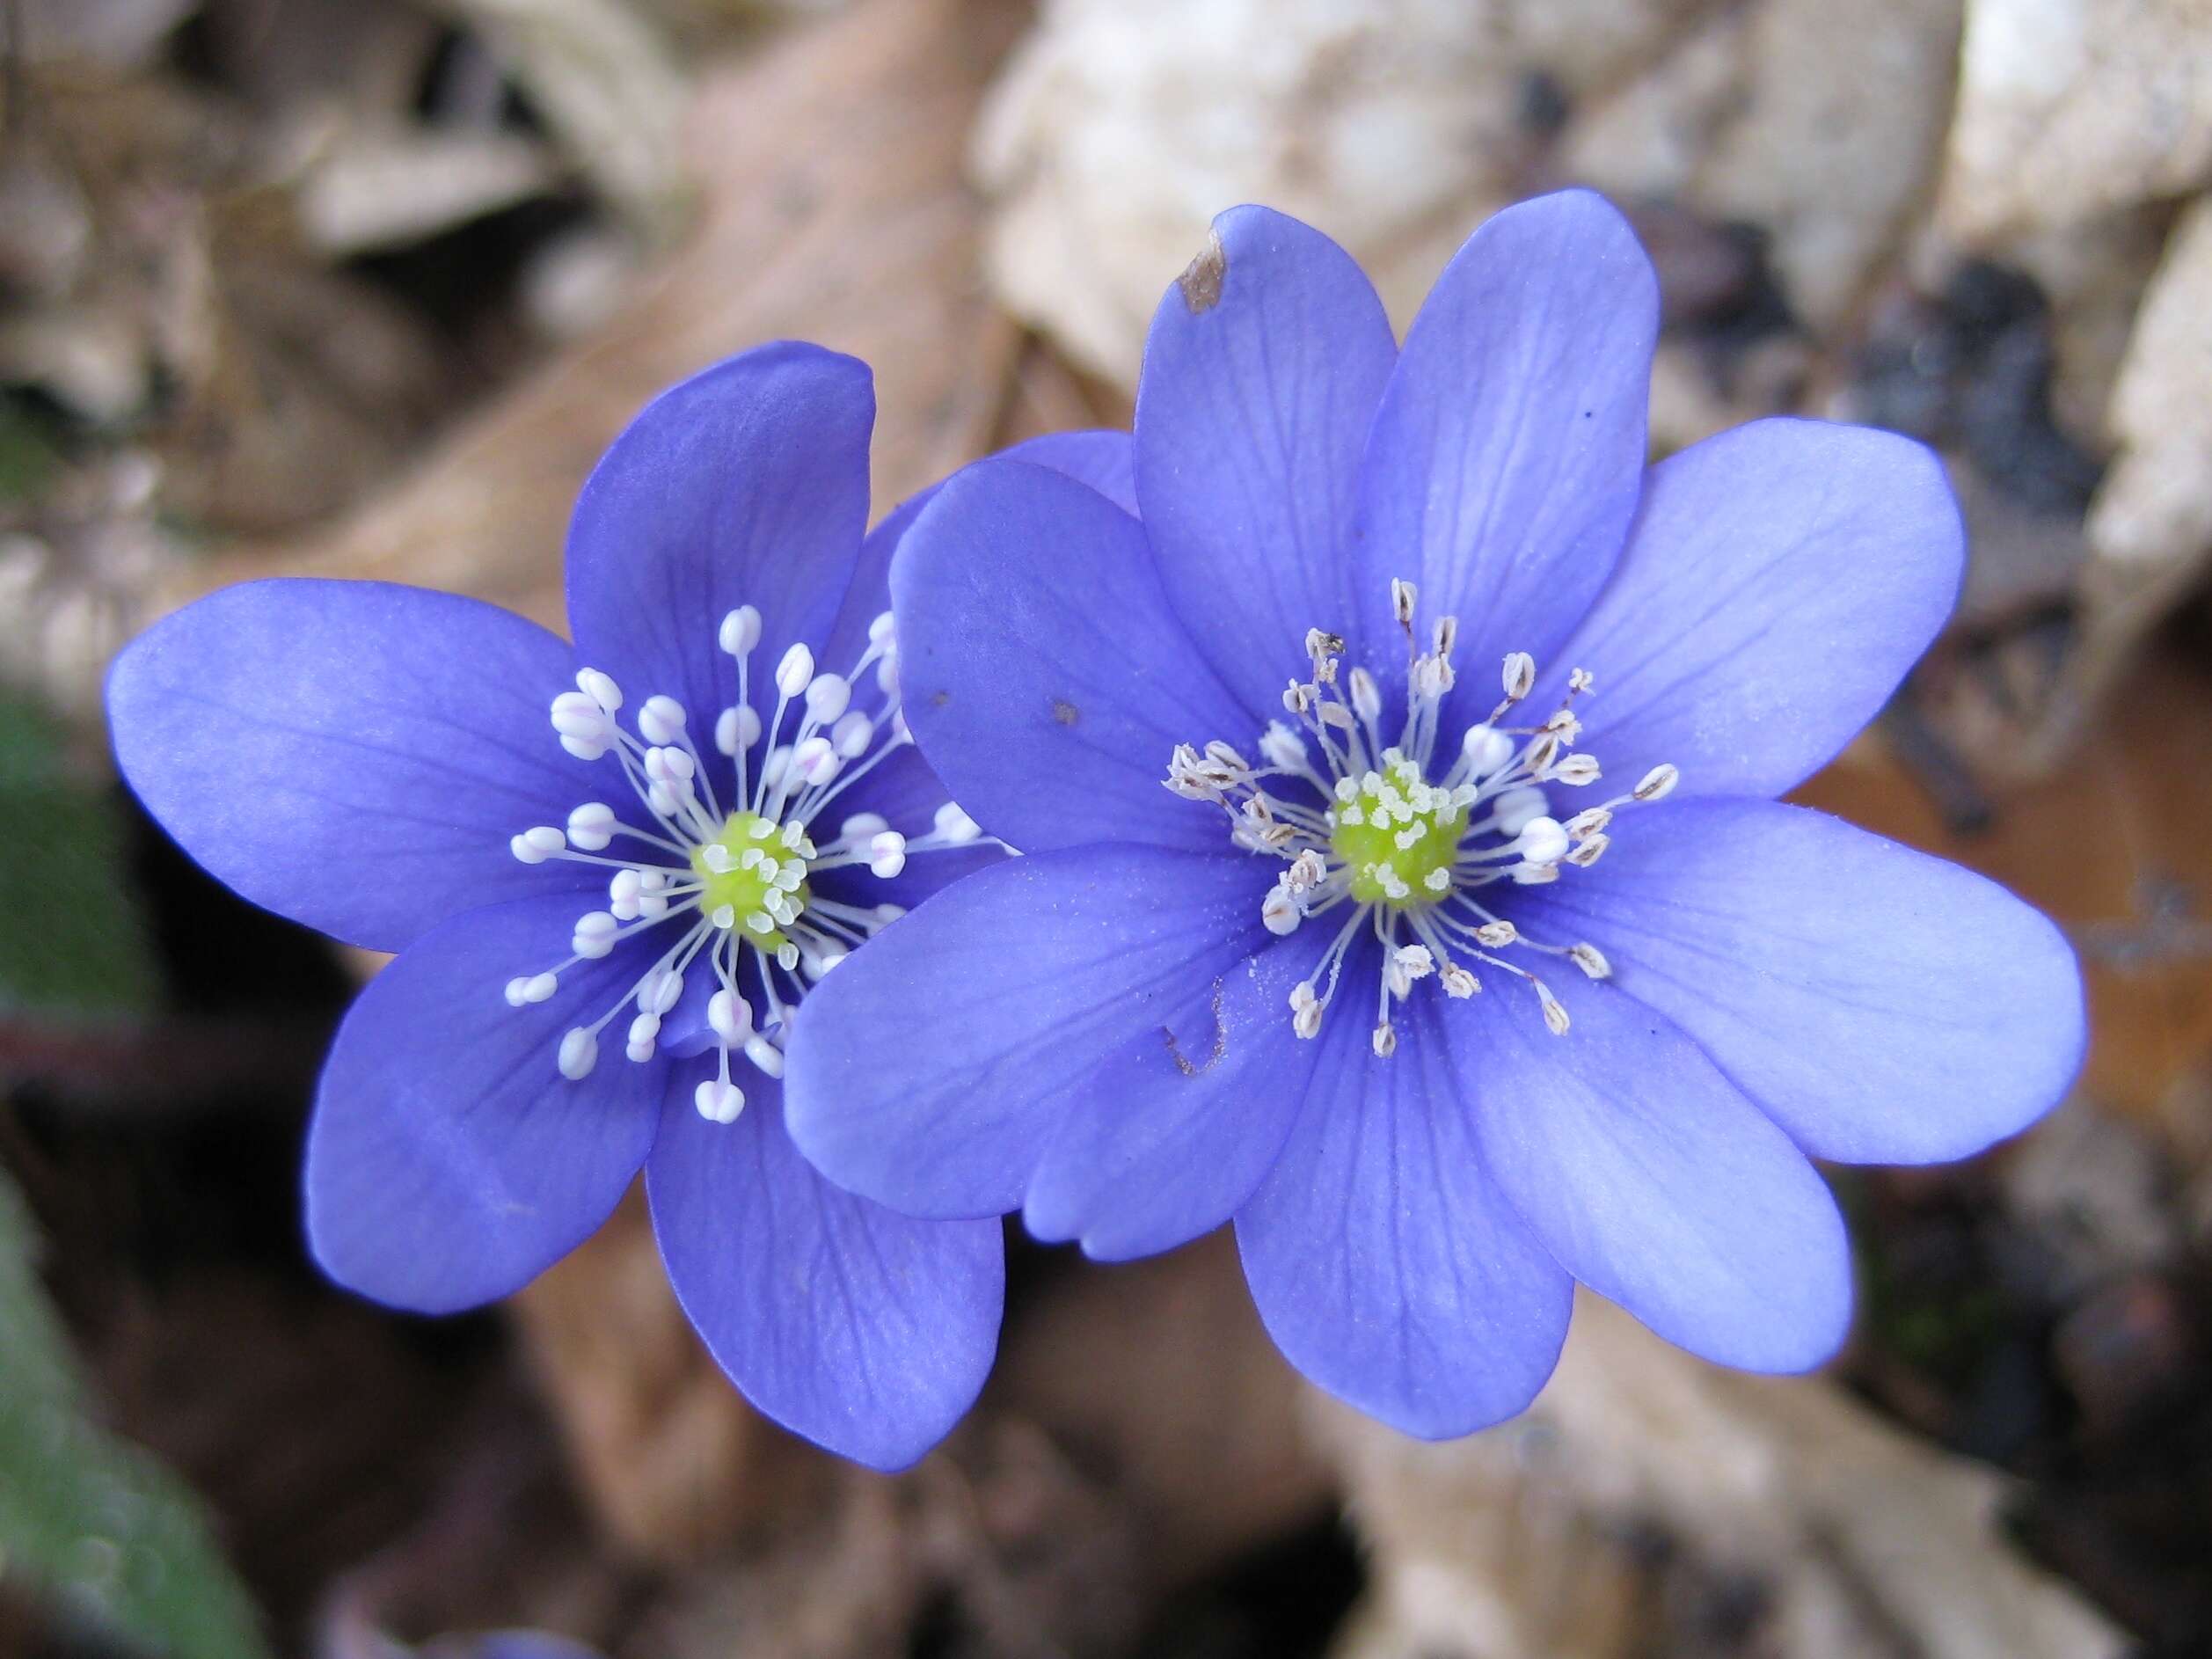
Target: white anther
861, 825
955, 826
536, 844
1335, 715
1516, 808
514, 992
670, 766
817, 761
1589, 822
1307, 871
850, 736
600, 688
663, 991
1589, 851
887, 672
1433, 676
883, 630
1447, 635
1519, 675
738, 728
1416, 960
740, 631
1534, 875
1458, 981
645, 1033
1542, 841
1578, 681
595, 934
1496, 935
886, 854
719, 1102
579, 1053
827, 696
776, 765
1280, 912
1658, 783
1402, 597
1385, 1040
591, 826
539, 987
730, 1015
1590, 960
1281, 747
623, 893
765, 1054
586, 729
1554, 1015
661, 719
1577, 769
794, 671
1297, 698
1367, 697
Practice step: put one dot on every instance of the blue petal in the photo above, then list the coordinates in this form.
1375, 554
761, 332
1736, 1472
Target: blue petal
1508, 453
1650, 1177
1262, 374
865, 1332
1882, 1005
746, 483
449, 1162
1044, 674
1100, 458
1385, 1263
1779, 581
1050, 1029
352, 755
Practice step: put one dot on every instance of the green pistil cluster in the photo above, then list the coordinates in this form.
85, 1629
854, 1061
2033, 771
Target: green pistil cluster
1396, 836
755, 881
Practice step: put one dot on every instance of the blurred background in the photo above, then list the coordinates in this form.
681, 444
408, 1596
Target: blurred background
362, 287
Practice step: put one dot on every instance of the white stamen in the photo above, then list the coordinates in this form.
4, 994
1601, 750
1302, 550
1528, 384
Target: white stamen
794, 671
591, 826
719, 1101
595, 934
740, 631
886, 854
765, 1055
579, 1054
600, 688
661, 719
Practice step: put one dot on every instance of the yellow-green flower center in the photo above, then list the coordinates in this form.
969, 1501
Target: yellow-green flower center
1397, 837
755, 863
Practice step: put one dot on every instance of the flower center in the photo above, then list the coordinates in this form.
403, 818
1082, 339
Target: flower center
738, 884
1396, 836
748, 879
1359, 827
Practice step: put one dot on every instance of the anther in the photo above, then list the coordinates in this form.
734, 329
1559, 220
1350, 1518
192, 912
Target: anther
1658, 783
661, 719
793, 673
719, 1101
740, 631
579, 1054
1519, 675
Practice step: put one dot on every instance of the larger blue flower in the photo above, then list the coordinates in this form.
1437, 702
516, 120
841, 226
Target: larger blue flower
604, 924
1388, 974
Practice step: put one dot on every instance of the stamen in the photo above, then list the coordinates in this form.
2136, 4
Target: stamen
1357, 823
739, 879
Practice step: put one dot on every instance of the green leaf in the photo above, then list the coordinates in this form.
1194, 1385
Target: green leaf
73, 946
100, 1525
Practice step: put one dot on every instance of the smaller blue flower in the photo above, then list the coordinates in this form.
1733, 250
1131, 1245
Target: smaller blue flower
606, 925
1467, 953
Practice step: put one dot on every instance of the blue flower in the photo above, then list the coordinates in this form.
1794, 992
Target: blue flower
1467, 953
605, 923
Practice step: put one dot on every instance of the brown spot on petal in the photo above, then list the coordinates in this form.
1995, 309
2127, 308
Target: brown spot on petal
1065, 711
1201, 281
1221, 1043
